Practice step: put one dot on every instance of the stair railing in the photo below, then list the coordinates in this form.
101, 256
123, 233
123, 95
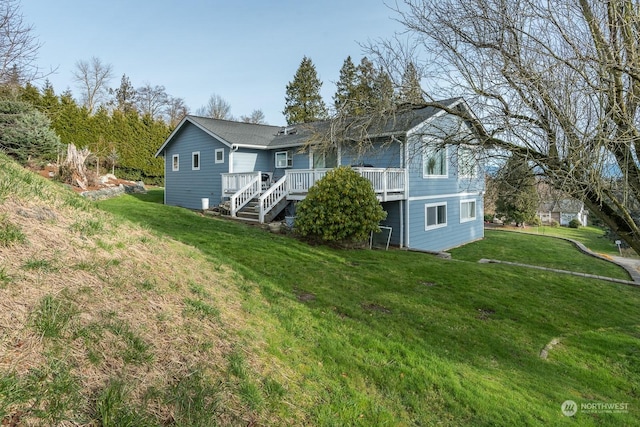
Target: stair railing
245, 194
270, 198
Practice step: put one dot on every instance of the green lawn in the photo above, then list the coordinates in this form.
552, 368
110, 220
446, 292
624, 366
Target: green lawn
592, 237
402, 338
539, 250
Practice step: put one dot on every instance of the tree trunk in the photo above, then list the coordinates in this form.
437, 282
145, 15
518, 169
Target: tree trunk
75, 164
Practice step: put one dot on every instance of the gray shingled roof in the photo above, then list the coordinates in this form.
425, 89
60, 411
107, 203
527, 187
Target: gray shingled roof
271, 137
238, 132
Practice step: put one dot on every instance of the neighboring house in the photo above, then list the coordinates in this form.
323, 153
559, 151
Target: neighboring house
433, 197
562, 211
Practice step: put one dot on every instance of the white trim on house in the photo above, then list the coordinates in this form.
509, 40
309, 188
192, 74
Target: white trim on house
288, 160
475, 210
428, 152
175, 163
218, 151
437, 223
443, 196
195, 160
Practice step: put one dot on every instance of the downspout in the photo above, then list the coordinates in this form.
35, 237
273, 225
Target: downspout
404, 204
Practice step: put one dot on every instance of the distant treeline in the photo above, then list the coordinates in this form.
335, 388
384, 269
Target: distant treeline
127, 140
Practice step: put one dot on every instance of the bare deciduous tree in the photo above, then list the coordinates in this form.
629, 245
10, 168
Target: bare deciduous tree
555, 82
92, 78
176, 110
216, 108
256, 117
18, 45
152, 100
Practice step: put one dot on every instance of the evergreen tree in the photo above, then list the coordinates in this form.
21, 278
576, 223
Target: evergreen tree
383, 92
365, 93
303, 102
49, 101
345, 88
516, 188
124, 96
410, 88
364, 89
25, 132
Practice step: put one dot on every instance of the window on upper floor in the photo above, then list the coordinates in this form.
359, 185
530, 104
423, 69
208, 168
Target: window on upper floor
195, 161
220, 155
467, 210
325, 160
284, 159
175, 163
435, 215
434, 162
467, 162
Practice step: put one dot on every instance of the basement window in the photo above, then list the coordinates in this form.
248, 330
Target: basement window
435, 216
467, 210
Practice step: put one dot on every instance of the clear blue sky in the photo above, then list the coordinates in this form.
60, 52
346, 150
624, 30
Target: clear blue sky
244, 51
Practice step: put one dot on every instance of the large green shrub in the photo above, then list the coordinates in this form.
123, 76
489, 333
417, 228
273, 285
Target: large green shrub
575, 223
341, 207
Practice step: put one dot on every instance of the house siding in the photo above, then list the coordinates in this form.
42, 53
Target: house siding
455, 233
438, 190
381, 155
187, 187
393, 220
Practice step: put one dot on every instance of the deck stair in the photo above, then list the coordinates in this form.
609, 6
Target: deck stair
251, 211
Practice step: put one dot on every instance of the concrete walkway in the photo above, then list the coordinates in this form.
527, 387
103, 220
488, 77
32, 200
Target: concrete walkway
632, 265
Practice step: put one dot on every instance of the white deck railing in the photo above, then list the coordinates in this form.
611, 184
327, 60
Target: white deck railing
233, 182
388, 184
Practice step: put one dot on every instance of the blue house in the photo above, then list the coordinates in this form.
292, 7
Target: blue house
432, 190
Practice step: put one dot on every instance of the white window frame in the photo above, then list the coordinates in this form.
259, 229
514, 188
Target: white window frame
465, 202
175, 163
219, 151
194, 155
426, 216
428, 152
467, 162
288, 160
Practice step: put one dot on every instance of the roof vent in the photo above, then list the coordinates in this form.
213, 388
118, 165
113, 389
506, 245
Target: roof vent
288, 130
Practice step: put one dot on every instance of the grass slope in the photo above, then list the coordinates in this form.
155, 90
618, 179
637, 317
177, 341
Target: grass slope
192, 321
398, 338
104, 323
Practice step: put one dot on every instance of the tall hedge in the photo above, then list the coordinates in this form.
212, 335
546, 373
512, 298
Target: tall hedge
340, 208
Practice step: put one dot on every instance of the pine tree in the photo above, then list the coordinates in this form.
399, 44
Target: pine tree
345, 88
364, 89
410, 88
124, 96
383, 92
303, 102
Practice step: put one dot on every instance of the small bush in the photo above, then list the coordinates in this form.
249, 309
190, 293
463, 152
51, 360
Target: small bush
535, 222
575, 223
553, 223
341, 207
